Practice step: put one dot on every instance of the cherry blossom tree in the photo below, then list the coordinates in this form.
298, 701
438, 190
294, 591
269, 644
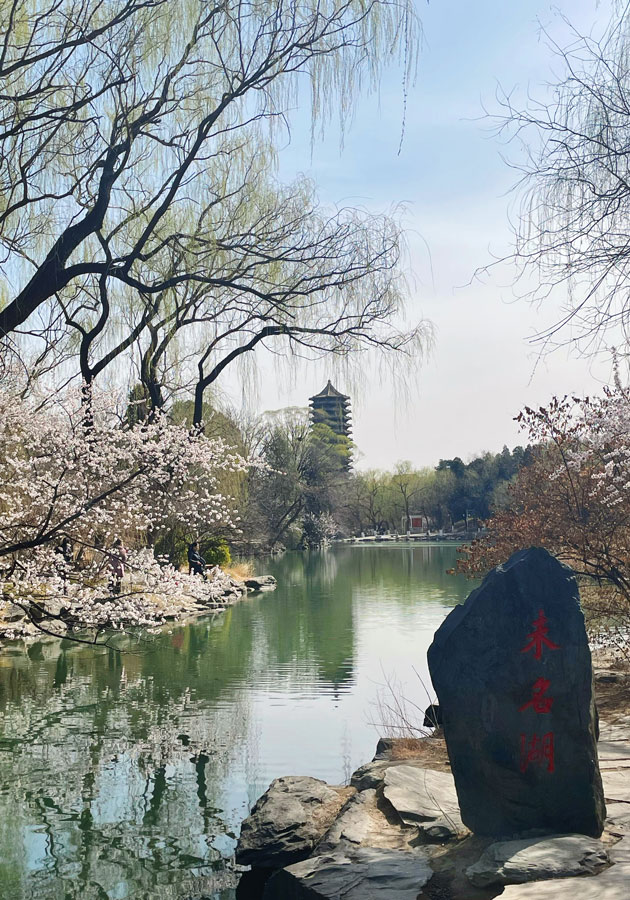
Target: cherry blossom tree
72, 472
574, 496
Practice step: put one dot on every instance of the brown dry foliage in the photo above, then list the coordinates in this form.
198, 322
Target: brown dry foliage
555, 507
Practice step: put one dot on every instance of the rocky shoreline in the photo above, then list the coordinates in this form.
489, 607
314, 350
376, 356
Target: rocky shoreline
395, 832
53, 619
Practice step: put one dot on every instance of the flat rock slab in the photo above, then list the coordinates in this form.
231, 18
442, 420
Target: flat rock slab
613, 749
516, 862
616, 785
614, 755
512, 672
363, 823
424, 798
365, 874
289, 820
354, 824
372, 774
615, 732
612, 884
618, 818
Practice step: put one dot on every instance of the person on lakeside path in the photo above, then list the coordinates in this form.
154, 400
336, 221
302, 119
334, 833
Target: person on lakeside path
117, 560
64, 549
196, 562
64, 559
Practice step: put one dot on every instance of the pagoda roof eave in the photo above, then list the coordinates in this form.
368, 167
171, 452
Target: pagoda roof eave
329, 392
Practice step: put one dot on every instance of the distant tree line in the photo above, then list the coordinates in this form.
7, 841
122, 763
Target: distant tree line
452, 494
301, 492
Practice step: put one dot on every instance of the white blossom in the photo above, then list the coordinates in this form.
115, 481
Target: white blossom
70, 470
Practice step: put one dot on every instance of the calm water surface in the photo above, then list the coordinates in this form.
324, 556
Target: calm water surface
127, 774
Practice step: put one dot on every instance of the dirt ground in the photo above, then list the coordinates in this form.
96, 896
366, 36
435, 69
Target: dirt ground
612, 687
432, 751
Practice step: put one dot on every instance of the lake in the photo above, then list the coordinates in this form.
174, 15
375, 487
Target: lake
125, 773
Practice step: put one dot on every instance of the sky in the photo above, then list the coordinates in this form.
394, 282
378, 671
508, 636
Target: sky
452, 176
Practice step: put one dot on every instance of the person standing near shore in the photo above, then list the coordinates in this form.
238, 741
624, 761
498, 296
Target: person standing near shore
117, 560
196, 562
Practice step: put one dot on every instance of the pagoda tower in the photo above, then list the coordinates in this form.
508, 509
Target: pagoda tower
333, 409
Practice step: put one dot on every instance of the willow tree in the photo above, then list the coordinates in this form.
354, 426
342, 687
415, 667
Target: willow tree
572, 229
282, 269
137, 195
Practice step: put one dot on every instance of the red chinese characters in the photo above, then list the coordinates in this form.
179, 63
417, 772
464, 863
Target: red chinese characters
538, 750
539, 702
538, 637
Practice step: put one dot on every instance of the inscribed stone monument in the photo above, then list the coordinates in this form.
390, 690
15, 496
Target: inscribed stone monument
512, 671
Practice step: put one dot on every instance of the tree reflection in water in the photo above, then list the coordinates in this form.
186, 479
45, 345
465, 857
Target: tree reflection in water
127, 773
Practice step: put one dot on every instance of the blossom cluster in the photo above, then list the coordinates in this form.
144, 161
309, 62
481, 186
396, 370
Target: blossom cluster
60, 603
573, 498
69, 470
592, 435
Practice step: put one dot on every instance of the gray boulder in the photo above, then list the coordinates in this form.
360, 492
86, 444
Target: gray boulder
354, 824
384, 748
12, 613
516, 862
609, 885
261, 583
424, 798
512, 671
288, 821
370, 775
366, 821
364, 874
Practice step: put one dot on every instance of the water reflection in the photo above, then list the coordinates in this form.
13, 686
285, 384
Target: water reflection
126, 774
112, 767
